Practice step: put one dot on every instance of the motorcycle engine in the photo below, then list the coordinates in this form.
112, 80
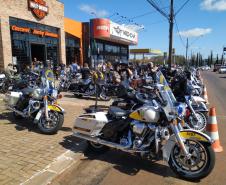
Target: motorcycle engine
35, 105
139, 129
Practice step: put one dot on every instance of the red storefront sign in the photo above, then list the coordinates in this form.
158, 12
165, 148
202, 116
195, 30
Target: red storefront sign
101, 28
39, 8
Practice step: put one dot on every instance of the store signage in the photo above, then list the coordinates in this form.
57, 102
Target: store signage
122, 32
101, 28
105, 29
39, 8
34, 31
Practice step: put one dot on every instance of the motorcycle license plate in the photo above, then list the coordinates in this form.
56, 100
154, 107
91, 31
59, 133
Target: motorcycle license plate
10, 88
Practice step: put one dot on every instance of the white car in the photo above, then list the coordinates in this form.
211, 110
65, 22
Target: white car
222, 69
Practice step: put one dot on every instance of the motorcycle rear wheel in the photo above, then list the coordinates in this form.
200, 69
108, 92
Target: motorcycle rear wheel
96, 148
203, 158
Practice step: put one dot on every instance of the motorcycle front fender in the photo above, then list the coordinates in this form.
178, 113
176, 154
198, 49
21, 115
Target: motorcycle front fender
56, 108
184, 134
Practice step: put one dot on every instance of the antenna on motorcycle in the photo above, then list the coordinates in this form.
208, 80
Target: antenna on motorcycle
95, 69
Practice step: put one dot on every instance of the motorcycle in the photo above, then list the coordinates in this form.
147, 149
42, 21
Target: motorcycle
152, 132
3, 83
39, 104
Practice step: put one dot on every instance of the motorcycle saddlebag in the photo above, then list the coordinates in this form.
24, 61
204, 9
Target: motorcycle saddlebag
90, 124
12, 98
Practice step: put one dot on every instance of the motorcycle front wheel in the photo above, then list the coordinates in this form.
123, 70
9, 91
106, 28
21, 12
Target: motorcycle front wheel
199, 125
198, 166
103, 96
52, 125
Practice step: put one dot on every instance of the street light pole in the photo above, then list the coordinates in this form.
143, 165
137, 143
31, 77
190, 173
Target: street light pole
171, 22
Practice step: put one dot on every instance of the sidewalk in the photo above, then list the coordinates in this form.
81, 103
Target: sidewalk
25, 153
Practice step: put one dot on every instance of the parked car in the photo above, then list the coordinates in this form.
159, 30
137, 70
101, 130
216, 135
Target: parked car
216, 67
222, 69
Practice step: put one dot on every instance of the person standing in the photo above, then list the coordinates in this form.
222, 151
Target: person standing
74, 67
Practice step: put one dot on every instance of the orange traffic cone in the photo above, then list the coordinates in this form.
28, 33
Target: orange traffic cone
205, 96
212, 130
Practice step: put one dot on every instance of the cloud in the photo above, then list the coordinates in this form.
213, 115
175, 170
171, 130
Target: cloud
134, 27
214, 5
93, 10
196, 32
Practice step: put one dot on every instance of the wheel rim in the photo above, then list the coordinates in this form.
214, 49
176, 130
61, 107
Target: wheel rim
104, 96
200, 124
52, 122
196, 163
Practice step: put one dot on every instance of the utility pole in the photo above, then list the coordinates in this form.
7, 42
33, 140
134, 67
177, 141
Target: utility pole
187, 52
171, 22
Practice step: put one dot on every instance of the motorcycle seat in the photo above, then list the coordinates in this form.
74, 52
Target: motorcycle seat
116, 112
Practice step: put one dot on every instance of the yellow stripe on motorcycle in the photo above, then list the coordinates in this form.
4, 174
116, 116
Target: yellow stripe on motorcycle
54, 108
193, 135
161, 79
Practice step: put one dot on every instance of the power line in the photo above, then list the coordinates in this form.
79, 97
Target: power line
153, 4
147, 13
178, 31
186, 2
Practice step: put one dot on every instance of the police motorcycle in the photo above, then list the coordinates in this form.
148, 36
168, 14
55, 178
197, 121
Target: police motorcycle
196, 112
152, 132
65, 80
196, 109
38, 103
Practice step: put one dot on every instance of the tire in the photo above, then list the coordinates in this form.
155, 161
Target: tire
96, 148
206, 169
200, 127
54, 129
104, 97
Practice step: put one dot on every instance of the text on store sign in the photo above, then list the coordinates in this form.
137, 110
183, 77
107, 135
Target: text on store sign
34, 31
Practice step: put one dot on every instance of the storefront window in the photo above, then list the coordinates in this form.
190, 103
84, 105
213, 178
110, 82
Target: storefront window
72, 49
26, 46
124, 50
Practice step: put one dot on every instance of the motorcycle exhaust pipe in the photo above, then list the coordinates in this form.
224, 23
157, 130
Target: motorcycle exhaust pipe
106, 143
17, 111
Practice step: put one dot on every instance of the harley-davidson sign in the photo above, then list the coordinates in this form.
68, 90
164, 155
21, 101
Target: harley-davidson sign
39, 8
108, 30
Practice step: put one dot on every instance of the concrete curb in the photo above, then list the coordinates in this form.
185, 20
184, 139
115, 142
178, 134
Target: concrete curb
58, 166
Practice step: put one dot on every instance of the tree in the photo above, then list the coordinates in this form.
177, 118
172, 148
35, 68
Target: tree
211, 58
217, 61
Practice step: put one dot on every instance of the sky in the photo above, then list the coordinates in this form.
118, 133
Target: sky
203, 22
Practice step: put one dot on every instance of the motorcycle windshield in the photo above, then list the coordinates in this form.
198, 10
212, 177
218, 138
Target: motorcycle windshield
166, 94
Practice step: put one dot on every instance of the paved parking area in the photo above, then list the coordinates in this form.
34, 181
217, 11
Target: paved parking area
24, 151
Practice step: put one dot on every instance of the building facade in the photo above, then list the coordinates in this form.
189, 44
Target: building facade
110, 41
31, 29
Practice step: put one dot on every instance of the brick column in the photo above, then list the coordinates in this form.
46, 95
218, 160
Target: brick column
6, 42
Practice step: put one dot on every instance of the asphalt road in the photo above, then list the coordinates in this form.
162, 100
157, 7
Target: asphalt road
118, 168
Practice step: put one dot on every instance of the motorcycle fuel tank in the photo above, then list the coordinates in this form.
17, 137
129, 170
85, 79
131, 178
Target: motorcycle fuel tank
147, 114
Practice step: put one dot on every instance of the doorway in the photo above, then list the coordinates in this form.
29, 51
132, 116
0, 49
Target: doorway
38, 51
